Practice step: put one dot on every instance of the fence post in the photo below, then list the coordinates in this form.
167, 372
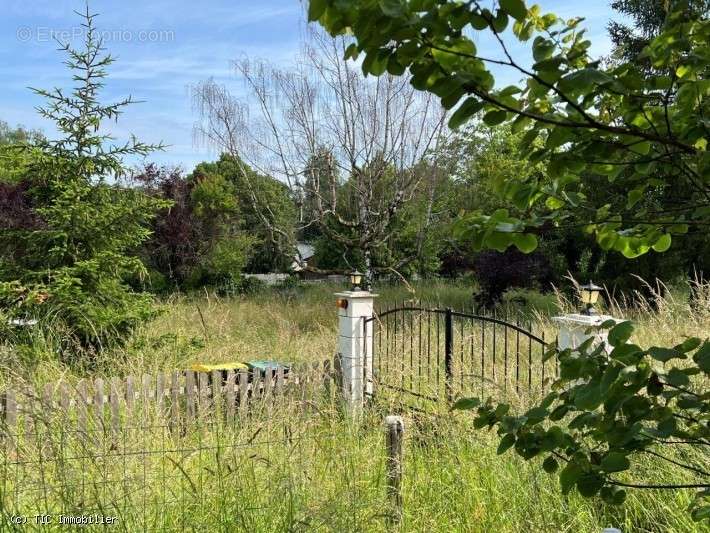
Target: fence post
355, 345
574, 329
449, 353
394, 436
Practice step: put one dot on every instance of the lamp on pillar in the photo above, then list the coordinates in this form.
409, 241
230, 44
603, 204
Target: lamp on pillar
355, 280
589, 295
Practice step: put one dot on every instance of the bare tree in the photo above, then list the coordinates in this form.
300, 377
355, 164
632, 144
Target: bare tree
352, 149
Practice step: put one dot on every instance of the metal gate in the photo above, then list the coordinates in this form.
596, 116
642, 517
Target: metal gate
442, 354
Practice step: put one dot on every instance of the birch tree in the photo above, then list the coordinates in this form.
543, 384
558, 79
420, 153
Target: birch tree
352, 150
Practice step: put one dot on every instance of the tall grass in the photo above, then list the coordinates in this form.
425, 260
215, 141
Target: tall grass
303, 465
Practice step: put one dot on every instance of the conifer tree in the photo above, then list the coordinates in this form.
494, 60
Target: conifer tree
72, 263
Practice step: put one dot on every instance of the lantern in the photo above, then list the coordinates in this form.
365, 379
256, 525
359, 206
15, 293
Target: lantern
589, 295
356, 280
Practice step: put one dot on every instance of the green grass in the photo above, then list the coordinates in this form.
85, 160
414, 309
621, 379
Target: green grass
302, 465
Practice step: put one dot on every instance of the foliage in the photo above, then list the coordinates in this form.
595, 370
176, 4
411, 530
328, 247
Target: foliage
642, 131
607, 409
197, 241
264, 203
16, 151
497, 272
67, 260
648, 20
624, 148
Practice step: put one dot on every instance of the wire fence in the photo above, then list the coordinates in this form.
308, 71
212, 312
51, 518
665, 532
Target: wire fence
144, 458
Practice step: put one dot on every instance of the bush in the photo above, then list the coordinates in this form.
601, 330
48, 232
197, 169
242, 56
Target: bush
499, 271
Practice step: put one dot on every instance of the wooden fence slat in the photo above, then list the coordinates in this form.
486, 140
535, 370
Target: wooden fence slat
114, 400
190, 395
279, 387
217, 396
160, 394
174, 400
243, 391
268, 381
203, 395
146, 394
81, 402
11, 411
26, 407
130, 396
230, 396
99, 392
64, 398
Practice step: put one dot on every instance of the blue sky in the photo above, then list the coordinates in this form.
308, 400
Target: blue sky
164, 47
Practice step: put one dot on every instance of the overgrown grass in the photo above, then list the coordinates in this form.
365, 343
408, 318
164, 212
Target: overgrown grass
304, 465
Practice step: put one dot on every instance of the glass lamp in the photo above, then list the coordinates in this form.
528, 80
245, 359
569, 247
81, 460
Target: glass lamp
355, 280
589, 295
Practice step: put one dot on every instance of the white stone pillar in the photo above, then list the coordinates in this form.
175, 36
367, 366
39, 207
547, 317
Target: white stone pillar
355, 344
574, 329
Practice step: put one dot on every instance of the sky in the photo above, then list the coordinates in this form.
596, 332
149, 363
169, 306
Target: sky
163, 47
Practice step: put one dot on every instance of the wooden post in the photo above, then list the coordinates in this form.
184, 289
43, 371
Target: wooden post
394, 436
174, 401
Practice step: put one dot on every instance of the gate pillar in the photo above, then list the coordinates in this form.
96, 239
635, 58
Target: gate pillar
355, 345
574, 329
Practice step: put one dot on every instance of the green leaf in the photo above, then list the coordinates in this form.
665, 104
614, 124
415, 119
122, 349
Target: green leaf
478, 22
466, 404
500, 22
569, 476
613, 495
493, 118
688, 345
620, 333
615, 462
589, 484
351, 52
677, 378
525, 242
588, 397
316, 8
550, 465
665, 354
506, 443
702, 357
515, 8
392, 8
466, 110
663, 243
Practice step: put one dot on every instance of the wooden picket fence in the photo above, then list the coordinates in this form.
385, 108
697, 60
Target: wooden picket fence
180, 398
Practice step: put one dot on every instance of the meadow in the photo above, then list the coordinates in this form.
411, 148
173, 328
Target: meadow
300, 463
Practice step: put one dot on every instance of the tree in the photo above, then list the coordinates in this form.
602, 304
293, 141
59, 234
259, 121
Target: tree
199, 240
347, 148
68, 264
16, 152
615, 122
644, 131
264, 203
648, 20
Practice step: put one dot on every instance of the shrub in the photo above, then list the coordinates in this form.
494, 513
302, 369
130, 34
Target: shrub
499, 271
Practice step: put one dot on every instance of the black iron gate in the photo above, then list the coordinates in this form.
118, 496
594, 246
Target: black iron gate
442, 354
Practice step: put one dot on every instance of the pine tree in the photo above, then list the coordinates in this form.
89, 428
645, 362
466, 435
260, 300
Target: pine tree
72, 265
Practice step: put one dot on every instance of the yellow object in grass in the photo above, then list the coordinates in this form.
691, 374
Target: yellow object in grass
201, 367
